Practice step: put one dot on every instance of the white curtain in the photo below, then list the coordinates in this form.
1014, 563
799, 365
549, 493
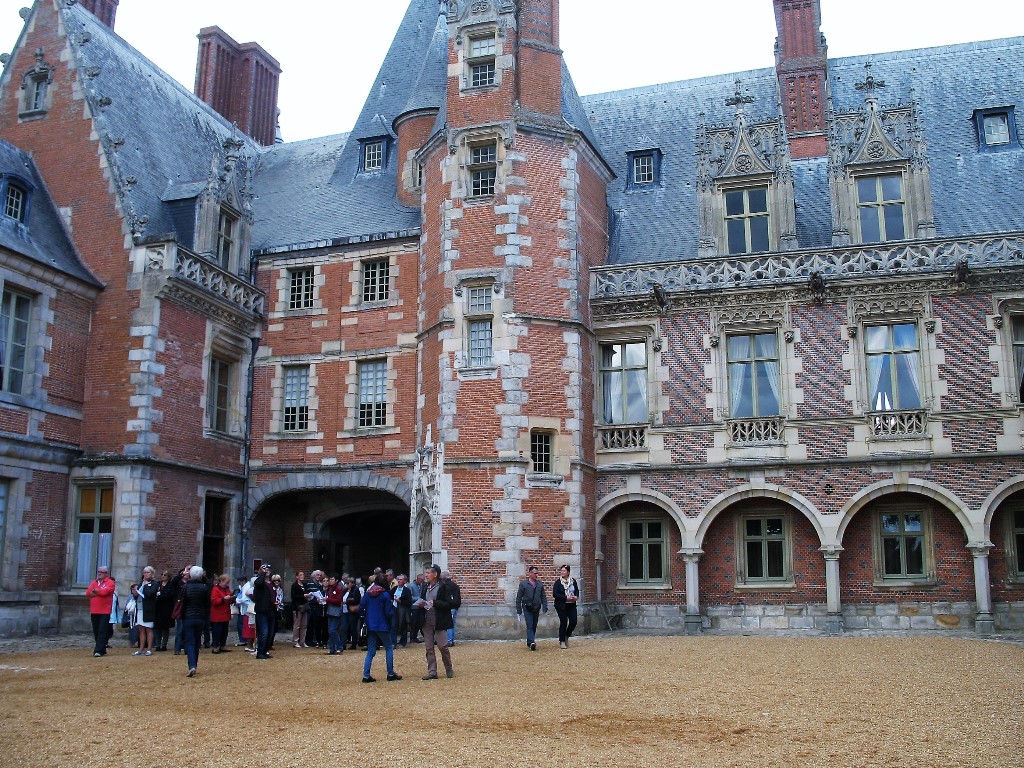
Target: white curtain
879, 401
910, 360
739, 373
766, 348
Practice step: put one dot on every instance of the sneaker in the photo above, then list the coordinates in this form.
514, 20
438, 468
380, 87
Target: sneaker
192, 672
563, 646
392, 678
429, 677
449, 673
239, 645
533, 646
137, 653
97, 655
148, 653
369, 680
297, 645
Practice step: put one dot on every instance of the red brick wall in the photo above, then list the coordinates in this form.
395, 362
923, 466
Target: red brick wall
44, 547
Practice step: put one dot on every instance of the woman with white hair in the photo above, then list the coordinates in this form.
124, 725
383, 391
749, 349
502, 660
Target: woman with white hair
195, 614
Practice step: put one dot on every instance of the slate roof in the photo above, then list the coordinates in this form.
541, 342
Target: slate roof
170, 137
42, 237
973, 191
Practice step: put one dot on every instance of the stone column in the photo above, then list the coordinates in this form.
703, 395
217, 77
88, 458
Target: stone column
984, 622
834, 619
692, 622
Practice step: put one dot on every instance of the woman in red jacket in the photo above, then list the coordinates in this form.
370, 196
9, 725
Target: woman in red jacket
101, 601
221, 598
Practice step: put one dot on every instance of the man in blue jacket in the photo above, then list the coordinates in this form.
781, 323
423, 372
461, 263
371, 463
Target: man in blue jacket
376, 611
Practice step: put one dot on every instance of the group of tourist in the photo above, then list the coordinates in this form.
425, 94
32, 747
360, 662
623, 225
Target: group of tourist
328, 611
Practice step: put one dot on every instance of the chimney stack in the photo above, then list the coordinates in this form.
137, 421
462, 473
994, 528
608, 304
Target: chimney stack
240, 82
801, 66
540, 58
104, 10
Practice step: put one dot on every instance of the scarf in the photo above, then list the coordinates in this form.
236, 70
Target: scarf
567, 586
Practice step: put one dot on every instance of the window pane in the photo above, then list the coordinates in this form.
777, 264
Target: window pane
870, 232
655, 569
734, 203
738, 347
610, 356
893, 222
773, 526
767, 401
757, 200
654, 530
1019, 539
636, 396
912, 523
765, 345
891, 557
753, 526
759, 234
737, 236
904, 336
636, 562
636, 354
915, 555
866, 190
891, 523
611, 388
636, 530
755, 560
907, 381
892, 188
876, 337
1018, 518
741, 391
882, 397
776, 561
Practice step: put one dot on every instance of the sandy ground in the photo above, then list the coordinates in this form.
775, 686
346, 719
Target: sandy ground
608, 700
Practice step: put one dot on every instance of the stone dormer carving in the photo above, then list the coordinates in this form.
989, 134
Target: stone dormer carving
744, 154
36, 94
478, 10
877, 140
224, 213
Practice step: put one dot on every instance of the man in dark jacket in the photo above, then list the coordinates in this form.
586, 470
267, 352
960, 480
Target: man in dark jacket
437, 602
264, 597
401, 601
530, 600
446, 577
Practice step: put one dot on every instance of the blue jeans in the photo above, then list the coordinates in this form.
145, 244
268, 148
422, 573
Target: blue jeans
264, 626
192, 629
334, 641
451, 632
531, 625
179, 635
375, 639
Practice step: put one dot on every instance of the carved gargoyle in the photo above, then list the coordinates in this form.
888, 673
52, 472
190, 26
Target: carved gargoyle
961, 272
659, 296
816, 283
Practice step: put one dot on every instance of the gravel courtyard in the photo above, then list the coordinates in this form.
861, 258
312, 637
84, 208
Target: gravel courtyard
608, 700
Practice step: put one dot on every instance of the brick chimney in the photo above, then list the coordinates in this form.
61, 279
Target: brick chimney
540, 58
104, 10
800, 64
240, 82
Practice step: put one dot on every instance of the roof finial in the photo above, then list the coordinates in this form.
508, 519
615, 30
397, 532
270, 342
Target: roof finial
870, 84
738, 99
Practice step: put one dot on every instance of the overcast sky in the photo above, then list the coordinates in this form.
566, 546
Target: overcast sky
330, 50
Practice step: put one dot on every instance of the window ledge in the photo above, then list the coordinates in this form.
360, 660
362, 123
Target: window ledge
780, 586
544, 480
386, 429
480, 372
296, 435
32, 114
643, 587
226, 437
905, 584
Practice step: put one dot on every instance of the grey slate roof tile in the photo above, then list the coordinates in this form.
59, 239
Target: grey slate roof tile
42, 237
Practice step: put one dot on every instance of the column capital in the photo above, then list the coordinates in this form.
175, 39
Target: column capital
691, 554
980, 548
831, 551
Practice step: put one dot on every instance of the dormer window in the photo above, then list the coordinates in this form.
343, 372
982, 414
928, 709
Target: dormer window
746, 219
35, 89
880, 206
997, 129
374, 155
227, 232
15, 202
644, 169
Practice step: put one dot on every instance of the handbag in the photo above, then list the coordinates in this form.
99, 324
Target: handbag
179, 606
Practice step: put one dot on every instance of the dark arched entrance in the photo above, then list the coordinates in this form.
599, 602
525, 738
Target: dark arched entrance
335, 530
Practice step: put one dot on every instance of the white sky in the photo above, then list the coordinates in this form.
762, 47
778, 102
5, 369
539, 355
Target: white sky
330, 50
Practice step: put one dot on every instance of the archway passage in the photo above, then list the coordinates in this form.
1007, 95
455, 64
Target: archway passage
349, 530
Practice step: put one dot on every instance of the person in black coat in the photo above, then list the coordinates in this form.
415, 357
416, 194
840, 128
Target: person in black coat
166, 597
195, 614
566, 593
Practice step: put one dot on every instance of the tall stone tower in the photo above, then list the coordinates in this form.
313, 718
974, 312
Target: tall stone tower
514, 215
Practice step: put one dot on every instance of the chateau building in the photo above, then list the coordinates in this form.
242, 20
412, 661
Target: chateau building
746, 352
